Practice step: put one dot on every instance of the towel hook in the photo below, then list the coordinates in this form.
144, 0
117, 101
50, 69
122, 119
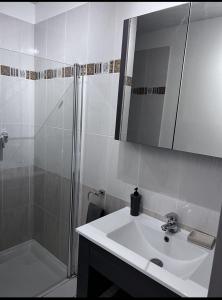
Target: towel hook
99, 193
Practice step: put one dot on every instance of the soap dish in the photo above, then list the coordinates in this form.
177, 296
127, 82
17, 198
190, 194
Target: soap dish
201, 239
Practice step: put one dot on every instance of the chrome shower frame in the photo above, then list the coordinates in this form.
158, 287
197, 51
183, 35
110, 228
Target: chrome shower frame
75, 171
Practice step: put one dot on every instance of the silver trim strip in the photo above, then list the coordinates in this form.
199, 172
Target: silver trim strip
75, 170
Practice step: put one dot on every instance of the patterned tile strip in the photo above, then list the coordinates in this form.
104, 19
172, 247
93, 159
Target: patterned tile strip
160, 90
112, 66
116, 66
90, 69
128, 81
5, 70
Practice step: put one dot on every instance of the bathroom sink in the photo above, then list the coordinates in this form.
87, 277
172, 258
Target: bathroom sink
176, 254
169, 259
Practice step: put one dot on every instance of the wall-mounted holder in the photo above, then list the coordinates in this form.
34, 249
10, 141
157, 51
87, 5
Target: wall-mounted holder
99, 193
96, 207
3, 141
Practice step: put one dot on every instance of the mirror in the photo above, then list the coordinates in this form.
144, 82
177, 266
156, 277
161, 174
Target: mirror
152, 56
199, 120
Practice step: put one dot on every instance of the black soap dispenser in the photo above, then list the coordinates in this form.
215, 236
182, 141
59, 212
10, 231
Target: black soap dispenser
135, 203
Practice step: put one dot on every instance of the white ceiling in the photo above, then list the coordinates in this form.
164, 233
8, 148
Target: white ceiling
21, 10
35, 12
46, 10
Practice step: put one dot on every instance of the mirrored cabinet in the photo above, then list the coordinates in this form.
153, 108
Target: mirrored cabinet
170, 92
151, 66
199, 118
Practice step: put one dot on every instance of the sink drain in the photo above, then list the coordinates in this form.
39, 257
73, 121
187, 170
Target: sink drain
157, 262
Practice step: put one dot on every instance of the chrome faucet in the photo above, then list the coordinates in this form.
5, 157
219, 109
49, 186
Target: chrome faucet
172, 223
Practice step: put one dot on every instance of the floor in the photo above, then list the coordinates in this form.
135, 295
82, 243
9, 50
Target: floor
27, 270
66, 289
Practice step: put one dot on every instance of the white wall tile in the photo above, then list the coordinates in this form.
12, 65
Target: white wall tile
67, 99
40, 39
40, 148
40, 102
159, 171
56, 32
12, 37
198, 217
95, 161
158, 203
26, 38
200, 180
100, 112
66, 154
54, 146
101, 33
76, 44
128, 164
27, 102
116, 185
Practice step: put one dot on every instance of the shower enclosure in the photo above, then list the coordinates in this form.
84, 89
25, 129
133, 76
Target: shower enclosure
40, 111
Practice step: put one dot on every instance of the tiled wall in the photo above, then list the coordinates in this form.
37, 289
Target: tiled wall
52, 158
185, 183
17, 116
15, 206
169, 181
51, 199
16, 34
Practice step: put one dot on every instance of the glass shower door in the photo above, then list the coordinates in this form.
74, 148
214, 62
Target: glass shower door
36, 110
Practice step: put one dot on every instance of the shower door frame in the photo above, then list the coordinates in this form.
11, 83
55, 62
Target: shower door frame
75, 171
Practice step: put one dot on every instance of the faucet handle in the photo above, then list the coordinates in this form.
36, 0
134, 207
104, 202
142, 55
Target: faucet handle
173, 217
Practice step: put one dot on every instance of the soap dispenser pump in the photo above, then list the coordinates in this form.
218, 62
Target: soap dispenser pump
135, 203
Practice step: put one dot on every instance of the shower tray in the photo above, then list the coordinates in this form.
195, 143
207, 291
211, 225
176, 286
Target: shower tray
28, 269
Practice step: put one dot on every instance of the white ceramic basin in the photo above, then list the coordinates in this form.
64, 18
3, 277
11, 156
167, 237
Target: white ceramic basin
178, 256
137, 240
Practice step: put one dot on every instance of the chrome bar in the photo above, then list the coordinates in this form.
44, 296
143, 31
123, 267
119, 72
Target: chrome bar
75, 171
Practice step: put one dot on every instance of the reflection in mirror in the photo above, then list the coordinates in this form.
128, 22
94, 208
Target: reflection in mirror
151, 66
199, 120
145, 114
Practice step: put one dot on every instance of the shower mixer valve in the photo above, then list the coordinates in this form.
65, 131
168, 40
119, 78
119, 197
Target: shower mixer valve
3, 139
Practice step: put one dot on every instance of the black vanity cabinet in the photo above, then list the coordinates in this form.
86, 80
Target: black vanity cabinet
98, 270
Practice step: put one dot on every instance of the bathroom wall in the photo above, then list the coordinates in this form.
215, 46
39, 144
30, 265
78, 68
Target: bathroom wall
54, 40
168, 180
17, 117
52, 157
34, 193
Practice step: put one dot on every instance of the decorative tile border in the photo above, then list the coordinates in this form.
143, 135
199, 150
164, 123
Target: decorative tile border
112, 66
128, 81
160, 90
5, 70
90, 69
117, 66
